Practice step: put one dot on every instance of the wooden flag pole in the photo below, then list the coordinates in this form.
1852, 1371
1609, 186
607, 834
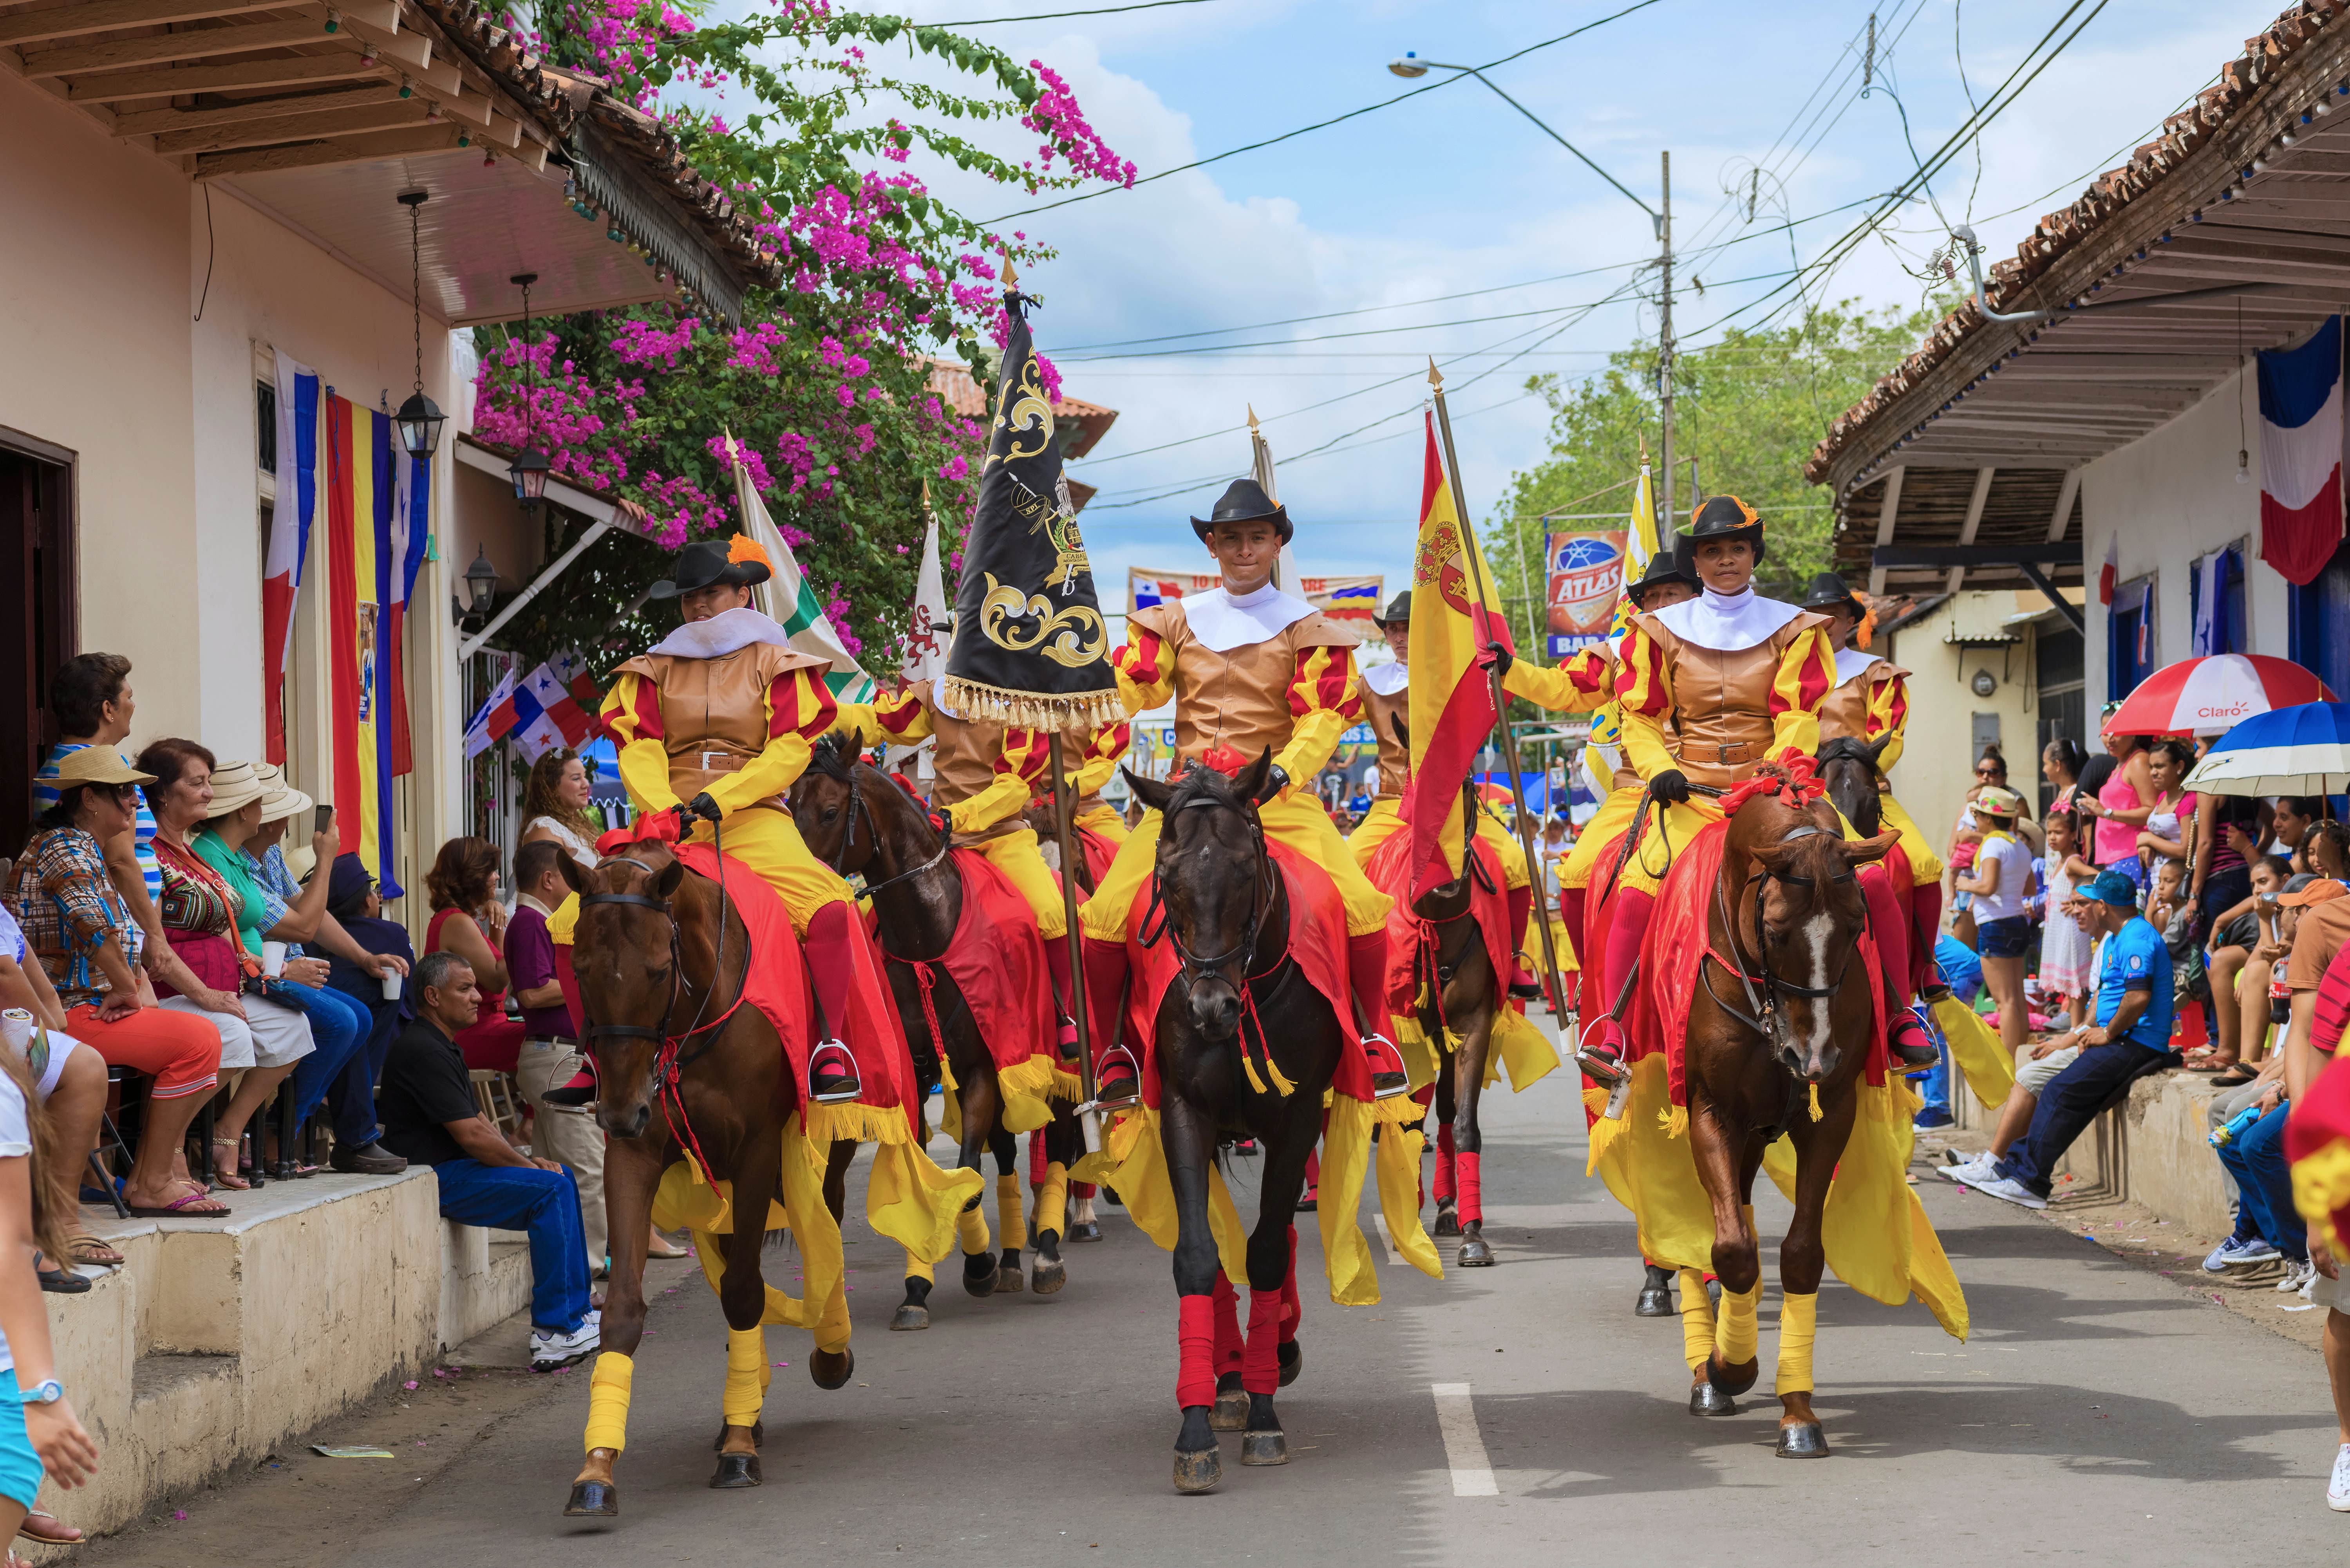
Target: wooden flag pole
1502, 734
1088, 1118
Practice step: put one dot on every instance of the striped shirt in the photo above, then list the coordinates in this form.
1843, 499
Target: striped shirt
45, 796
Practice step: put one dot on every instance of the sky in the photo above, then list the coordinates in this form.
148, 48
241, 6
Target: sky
1176, 302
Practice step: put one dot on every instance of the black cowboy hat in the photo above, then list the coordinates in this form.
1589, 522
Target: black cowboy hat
1664, 567
714, 563
1829, 593
1722, 517
1244, 501
1398, 611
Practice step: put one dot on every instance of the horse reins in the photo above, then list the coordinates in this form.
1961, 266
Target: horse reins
1190, 967
1763, 985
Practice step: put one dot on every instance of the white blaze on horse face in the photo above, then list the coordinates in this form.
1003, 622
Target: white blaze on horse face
1813, 938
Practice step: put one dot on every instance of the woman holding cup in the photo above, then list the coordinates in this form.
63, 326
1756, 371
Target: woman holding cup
352, 900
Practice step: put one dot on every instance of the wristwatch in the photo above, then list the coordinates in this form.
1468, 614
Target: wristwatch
47, 1392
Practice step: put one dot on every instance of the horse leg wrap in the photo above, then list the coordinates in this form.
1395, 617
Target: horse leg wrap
1735, 1334
1697, 1319
1195, 1337
970, 1227
916, 1269
1010, 1210
1083, 1191
1367, 973
831, 965
1052, 1202
1261, 1365
1230, 1347
1036, 1160
1473, 1201
1444, 1186
1292, 1309
1104, 992
1799, 1320
608, 1401
746, 1374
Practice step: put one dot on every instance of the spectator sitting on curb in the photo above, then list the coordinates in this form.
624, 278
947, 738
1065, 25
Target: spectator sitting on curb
351, 899
2240, 1013
429, 1117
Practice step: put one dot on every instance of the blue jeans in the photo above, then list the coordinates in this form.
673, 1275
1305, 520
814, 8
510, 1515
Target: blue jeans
2264, 1184
352, 1097
2067, 1106
338, 1024
545, 1203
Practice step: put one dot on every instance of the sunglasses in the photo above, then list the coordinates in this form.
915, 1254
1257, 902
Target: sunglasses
1991, 773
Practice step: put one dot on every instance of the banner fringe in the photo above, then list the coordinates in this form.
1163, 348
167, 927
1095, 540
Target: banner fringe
1072, 710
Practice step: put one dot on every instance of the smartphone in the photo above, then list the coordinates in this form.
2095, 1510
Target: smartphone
325, 819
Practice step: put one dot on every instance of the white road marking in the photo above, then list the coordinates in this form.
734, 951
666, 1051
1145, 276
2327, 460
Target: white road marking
1465, 1449
1388, 1239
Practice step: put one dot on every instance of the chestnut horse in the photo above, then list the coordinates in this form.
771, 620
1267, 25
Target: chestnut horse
1782, 1023
660, 959
856, 820
1218, 899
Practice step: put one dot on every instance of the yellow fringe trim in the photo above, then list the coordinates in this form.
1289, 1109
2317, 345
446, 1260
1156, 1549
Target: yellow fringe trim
1027, 1089
853, 1121
2320, 1186
609, 1387
1032, 710
1674, 1119
1595, 1100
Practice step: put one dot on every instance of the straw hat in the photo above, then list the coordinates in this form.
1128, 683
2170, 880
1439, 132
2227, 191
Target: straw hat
279, 799
95, 765
236, 785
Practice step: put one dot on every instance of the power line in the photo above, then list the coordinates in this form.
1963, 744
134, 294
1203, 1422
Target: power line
1054, 16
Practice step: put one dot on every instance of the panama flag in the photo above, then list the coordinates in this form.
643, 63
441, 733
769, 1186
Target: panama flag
290, 517
2300, 454
786, 598
550, 688
1454, 615
479, 735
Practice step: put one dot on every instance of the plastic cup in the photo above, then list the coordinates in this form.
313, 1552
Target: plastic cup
272, 959
391, 985
16, 1029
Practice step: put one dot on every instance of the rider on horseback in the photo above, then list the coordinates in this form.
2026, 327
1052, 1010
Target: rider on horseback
1386, 691
1250, 667
713, 725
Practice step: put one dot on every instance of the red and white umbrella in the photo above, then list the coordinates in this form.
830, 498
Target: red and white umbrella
2211, 696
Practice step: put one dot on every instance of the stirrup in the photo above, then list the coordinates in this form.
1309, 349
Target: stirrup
1906, 1028
1386, 1083
1109, 1099
1602, 1060
831, 1075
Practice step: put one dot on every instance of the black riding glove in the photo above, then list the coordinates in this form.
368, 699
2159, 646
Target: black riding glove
941, 823
1502, 658
1671, 787
1275, 781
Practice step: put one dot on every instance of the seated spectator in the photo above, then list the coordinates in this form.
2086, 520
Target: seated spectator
78, 925
351, 899
429, 1117
468, 920
2131, 1034
2240, 1008
555, 808
209, 895
69, 1085
2325, 852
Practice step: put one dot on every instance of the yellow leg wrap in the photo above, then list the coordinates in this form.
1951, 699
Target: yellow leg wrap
1010, 1210
916, 1269
746, 1374
1799, 1320
1735, 1334
1052, 1202
971, 1226
608, 1401
1697, 1319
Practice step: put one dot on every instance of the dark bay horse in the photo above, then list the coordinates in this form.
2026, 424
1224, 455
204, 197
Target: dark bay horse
1848, 767
856, 820
1780, 1027
661, 961
1220, 900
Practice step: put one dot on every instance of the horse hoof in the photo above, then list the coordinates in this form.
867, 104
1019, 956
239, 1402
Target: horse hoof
1705, 1399
1230, 1412
735, 1472
1008, 1281
909, 1317
1048, 1275
820, 1364
979, 1274
1730, 1379
1448, 1220
1196, 1473
1264, 1449
1086, 1231
1803, 1441
758, 1437
1292, 1361
1656, 1301
1476, 1253
593, 1500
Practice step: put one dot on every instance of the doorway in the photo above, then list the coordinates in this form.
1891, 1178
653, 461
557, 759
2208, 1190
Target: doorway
36, 540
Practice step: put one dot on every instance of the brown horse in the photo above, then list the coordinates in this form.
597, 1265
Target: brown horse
660, 959
855, 819
1220, 900
1780, 1027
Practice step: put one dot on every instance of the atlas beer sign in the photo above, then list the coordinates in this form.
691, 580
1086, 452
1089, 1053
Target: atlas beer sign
1587, 575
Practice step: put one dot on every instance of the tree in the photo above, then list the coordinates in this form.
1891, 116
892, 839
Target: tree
1749, 409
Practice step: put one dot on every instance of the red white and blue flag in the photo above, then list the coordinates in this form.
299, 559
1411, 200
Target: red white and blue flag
296, 508
2300, 454
553, 705
482, 734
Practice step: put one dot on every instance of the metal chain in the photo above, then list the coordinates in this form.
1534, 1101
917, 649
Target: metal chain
416, 288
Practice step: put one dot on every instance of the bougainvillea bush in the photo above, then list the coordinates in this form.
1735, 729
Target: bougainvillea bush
825, 383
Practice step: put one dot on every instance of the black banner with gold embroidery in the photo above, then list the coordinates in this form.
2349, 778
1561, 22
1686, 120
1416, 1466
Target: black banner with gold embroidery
1030, 644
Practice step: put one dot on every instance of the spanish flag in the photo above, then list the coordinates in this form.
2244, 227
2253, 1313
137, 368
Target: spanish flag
1454, 615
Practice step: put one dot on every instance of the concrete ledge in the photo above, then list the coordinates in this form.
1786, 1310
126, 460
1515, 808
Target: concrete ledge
2152, 1149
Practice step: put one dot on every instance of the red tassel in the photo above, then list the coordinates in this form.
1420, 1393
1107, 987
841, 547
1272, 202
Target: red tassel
1229, 1347
1473, 1197
1195, 1335
1260, 1371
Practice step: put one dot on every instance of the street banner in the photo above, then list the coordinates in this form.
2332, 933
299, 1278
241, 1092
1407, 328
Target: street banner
1586, 580
1349, 600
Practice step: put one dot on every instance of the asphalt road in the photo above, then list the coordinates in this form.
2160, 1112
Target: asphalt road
2100, 1410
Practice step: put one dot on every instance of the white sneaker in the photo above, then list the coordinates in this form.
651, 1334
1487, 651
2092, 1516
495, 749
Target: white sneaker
2234, 1254
2337, 1490
549, 1350
1966, 1173
2010, 1191
2296, 1277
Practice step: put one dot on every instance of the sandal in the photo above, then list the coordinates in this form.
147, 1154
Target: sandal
84, 1249
55, 1532
225, 1173
60, 1281
193, 1204
2235, 1079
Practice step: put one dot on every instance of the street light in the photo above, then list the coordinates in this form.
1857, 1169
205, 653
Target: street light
481, 582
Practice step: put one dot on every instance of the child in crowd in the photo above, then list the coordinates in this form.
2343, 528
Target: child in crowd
2064, 945
2240, 1010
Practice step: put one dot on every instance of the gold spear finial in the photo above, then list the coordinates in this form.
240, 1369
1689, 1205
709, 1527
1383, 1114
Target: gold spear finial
1252, 413
733, 452
1435, 376
1011, 278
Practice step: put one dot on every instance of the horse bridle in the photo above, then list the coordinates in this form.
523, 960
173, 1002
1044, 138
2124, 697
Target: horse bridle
857, 809
668, 1061
1762, 985
1190, 967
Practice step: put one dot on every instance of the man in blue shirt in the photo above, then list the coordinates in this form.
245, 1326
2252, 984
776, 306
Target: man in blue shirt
2132, 1031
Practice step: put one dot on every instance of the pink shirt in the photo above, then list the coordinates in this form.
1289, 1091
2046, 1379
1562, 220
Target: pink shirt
2117, 841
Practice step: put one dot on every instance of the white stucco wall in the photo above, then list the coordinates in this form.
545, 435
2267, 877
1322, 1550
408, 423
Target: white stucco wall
1937, 752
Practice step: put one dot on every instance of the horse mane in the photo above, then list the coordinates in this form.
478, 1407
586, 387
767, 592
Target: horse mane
1198, 779
1845, 749
835, 755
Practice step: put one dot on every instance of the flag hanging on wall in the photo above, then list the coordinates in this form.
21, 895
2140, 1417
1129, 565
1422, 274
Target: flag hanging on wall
2300, 454
290, 517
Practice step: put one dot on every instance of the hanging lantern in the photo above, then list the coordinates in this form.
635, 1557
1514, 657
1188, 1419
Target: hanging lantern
420, 419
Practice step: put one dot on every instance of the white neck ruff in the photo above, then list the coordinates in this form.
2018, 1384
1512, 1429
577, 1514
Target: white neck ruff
1386, 680
1852, 662
1222, 621
728, 631
1726, 623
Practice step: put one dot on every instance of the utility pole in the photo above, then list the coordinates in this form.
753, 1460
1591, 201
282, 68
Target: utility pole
1666, 527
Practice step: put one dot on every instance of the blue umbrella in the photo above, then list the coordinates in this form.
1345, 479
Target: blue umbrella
2304, 750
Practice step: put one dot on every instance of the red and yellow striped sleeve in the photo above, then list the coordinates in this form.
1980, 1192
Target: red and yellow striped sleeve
1103, 753
631, 714
1145, 671
1323, 700
1020, 766
1581, 685
800, 707
1805, 676
893, 718
1888, 715
1643, 692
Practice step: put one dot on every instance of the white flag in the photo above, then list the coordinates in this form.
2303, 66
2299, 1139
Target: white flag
786, 599
932, 627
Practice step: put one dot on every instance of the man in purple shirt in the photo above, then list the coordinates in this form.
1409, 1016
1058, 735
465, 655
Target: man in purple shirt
551, 1056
